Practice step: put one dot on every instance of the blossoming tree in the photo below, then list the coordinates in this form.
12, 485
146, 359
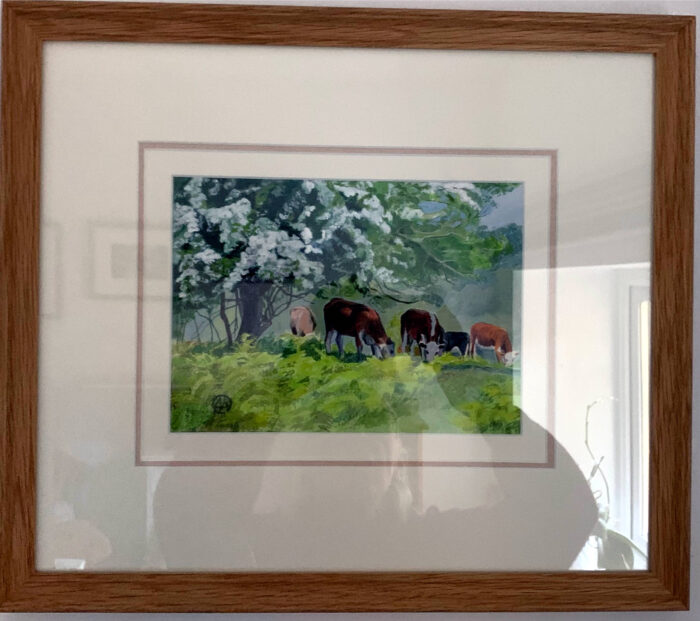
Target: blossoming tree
251, 247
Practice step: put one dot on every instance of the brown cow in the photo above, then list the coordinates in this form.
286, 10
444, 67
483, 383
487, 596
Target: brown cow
422, 328
302, 321
488, 336
345, 318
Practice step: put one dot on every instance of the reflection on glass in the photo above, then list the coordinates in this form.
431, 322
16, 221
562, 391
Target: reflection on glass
587, 511
617, 432
128, 480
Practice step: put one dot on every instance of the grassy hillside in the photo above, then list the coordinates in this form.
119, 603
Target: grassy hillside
290, 384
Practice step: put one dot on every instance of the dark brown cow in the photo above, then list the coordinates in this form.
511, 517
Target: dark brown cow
302, 321
345, 318
488, 336
422, 328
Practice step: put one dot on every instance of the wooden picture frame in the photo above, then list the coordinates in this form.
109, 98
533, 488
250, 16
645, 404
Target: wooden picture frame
27, 25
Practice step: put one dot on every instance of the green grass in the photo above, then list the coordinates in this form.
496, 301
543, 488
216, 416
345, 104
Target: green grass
290, 384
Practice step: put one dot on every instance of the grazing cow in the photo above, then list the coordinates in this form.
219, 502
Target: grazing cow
302, 321
488, 336
345, 318
422, 328
460, 340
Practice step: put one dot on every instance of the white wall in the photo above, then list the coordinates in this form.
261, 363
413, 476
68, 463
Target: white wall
625, 6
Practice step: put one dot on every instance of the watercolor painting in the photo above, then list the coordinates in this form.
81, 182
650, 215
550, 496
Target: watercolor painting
318, 305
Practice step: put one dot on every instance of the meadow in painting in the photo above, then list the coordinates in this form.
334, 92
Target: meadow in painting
317, 305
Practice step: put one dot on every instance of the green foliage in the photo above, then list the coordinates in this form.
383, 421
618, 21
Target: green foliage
289, 383
493, 411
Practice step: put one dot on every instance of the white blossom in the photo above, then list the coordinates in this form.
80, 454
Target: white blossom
235, 213
460, 189
411, 213
185, 215
207, 256
386, 276
306, 235
349, 191
195, 193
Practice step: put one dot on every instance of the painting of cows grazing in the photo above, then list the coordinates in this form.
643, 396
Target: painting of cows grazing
346, 305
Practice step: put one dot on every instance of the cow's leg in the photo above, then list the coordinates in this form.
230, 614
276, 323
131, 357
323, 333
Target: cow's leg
339, 342
500, 356
330, 335
372, 344
404, 342
358, 346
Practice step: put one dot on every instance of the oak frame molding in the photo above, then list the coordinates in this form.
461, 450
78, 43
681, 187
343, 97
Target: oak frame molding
670, 39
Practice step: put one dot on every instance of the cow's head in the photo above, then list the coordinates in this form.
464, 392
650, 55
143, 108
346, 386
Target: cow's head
510, 357
380, 349
387, 349
429, 350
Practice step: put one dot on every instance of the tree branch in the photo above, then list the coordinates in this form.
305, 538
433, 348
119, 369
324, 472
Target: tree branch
384, 290
445, 266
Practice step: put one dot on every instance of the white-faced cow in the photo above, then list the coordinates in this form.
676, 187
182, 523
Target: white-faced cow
488, 336
422, 328
346, 318
460, 340
302, 321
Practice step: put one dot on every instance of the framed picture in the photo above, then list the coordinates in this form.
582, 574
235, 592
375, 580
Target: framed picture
330, 309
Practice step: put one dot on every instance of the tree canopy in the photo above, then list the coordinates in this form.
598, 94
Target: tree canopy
251, 247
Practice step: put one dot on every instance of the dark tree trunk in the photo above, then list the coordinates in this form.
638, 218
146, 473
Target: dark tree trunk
252, 296
227, 323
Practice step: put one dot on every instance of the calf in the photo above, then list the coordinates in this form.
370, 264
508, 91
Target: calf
345, 318
488, 336
460, 340
422, 328
302, 321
